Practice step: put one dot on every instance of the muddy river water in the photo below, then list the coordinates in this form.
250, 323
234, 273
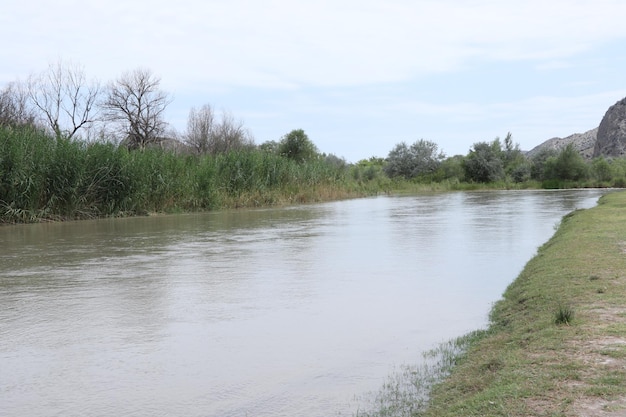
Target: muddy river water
272, 312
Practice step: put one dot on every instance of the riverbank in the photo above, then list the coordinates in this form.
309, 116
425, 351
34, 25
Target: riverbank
48, 179
556, 345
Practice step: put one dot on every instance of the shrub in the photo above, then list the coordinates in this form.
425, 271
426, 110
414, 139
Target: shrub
421, 158
484, 162
601, 169
568, 165
296, 145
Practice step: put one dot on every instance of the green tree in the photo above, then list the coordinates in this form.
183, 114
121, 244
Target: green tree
484, 163
538, 163
601, 169
520, 172
419, 159
296, 145
270, 146
568, 165
368, 169
452, 168
515, 164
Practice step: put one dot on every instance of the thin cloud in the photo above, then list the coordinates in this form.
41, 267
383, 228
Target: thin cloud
280, 44
351, 72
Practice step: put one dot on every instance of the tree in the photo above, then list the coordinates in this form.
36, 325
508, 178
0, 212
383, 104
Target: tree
484, 162
200, 126
296, 145
230, 134
568, 165
206, 134
452, 168
601, 169
538, 163
14, 108
135, 102
270, 146
420, 158
512, 156
64, 98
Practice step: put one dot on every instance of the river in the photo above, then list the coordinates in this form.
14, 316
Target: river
269, 312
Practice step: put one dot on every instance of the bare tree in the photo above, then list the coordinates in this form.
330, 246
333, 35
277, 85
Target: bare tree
64, 98
200, 127
14, 108
230, 134
135, 102
207, 134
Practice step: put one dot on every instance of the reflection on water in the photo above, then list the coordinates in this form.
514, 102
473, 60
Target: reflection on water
258, 312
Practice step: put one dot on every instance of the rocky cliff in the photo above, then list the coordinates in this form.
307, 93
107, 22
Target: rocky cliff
611, 139
608, 140
584, 143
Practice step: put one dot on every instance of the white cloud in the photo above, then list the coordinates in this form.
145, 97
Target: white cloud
361, 70
281, 44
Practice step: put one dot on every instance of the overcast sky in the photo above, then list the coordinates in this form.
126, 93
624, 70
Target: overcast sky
358, 76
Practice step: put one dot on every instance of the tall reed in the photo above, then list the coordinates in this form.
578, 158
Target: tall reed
42, 177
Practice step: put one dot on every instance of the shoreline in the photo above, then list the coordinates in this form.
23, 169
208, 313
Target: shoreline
556, 345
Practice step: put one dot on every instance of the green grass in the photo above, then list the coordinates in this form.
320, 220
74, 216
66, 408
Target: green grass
406, 391
564, 314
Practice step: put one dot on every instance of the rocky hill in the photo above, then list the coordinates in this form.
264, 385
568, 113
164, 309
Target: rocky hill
608, 140
584, 143
611, 139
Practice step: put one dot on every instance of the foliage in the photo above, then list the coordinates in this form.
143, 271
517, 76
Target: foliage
601, 169
568, 165
45, 178
538, 163
297, 146
484, 162
516, 165
451, 169
270, 146
419, 159
521, 172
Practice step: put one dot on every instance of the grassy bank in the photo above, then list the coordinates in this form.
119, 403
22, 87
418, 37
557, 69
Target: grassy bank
556, 345
557, 342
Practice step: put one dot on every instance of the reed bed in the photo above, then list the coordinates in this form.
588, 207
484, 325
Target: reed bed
43, 178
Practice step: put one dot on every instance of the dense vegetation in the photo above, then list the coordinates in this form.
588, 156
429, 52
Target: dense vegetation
504, 165
72, 148
42, 177
45, 177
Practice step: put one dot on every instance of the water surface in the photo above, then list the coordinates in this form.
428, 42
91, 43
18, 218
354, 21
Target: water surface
269, 312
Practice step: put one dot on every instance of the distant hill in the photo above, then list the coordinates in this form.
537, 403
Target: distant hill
584, 143
608, 139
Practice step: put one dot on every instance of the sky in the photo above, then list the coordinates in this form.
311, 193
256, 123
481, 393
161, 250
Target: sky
358, 76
